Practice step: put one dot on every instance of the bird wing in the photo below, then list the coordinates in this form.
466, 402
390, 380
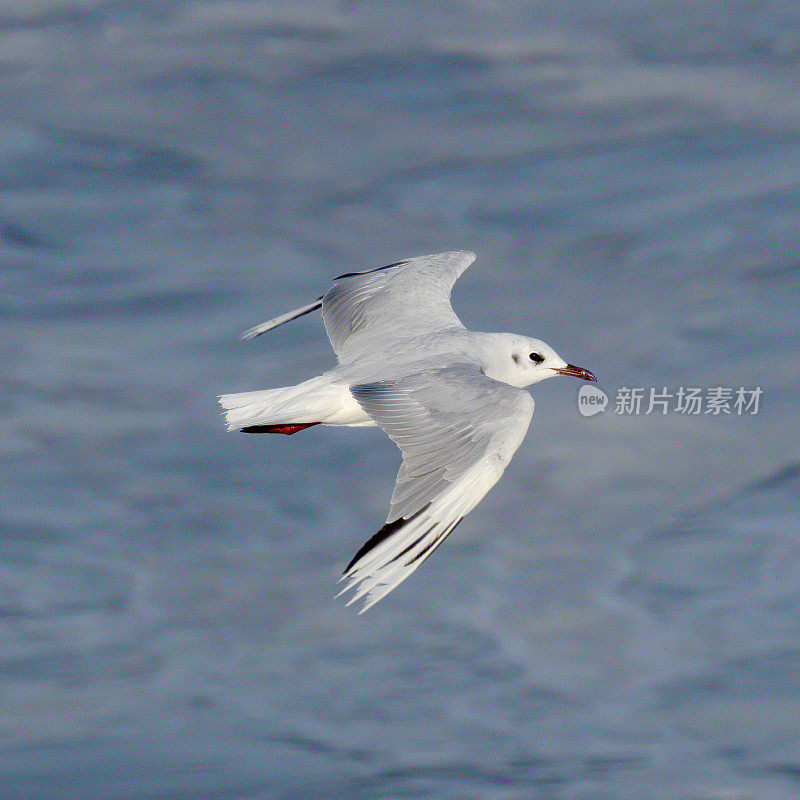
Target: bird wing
457, 430
363, 309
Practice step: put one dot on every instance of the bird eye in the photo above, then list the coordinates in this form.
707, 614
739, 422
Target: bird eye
536, 358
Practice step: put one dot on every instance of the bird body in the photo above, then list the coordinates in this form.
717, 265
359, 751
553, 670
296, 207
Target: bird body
451, 399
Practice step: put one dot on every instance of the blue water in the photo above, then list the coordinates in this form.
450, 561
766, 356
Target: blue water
619, 619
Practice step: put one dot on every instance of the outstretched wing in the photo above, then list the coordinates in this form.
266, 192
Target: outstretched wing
363, 310
457, 430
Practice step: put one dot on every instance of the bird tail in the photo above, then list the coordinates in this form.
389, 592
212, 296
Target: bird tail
289, 408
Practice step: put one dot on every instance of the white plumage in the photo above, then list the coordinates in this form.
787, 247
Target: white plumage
451, 399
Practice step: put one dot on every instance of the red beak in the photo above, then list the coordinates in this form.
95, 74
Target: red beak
577, 372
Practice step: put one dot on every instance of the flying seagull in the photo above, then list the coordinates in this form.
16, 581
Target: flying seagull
449, 398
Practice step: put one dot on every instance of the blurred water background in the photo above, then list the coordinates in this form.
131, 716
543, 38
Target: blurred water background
619, 619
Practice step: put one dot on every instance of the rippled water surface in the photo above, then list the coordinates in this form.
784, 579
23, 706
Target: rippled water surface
619, 619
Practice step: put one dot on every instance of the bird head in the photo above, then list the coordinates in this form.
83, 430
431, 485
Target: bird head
521, 361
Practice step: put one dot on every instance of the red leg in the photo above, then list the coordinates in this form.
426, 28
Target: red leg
287, 429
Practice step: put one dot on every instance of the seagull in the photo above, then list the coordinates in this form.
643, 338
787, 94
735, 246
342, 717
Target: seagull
451, 399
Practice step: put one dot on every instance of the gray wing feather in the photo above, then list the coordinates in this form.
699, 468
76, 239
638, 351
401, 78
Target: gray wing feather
367, 307
364, 309
457, 430
443, 421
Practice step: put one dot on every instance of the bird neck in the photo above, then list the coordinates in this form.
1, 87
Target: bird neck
494, 352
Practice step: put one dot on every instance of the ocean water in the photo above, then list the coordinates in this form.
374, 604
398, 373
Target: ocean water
619, 619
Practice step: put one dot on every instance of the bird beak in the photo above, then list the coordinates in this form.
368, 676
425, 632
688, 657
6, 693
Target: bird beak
577, 372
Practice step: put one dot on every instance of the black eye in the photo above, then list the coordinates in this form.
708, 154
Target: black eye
536, 358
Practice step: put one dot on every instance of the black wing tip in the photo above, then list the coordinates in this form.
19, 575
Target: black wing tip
435, 543
368, 271
384, 533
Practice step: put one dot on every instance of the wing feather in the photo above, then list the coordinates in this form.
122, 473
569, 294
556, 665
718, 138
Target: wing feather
362, 310
457, 430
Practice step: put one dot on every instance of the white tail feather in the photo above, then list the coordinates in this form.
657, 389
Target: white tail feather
314, 400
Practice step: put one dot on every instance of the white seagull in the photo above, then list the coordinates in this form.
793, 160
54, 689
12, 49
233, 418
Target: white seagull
449, 398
